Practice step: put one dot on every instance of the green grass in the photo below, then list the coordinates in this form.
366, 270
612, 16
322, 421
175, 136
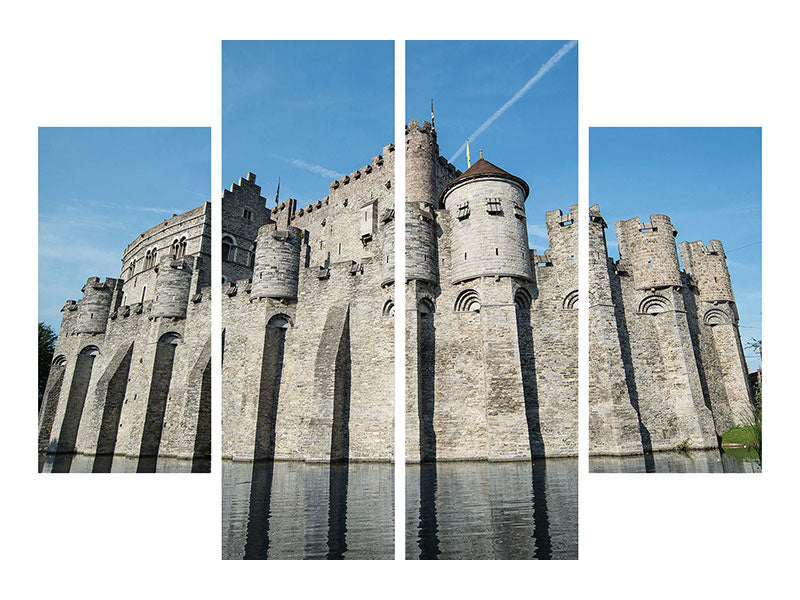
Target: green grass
738, 435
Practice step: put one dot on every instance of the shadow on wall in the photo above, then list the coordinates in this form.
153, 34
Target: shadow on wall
426, 379
630, 381
522, 300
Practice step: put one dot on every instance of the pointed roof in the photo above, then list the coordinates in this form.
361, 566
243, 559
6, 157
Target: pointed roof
483, 168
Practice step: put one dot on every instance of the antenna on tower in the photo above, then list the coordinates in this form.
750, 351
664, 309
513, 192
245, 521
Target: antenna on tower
433, 127
278, 191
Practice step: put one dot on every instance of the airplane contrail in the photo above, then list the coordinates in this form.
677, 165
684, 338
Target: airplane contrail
301, 164
314, 168
531, 82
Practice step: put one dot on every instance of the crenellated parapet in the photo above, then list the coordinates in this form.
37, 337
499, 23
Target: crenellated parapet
708, 268
94, 307
648, 251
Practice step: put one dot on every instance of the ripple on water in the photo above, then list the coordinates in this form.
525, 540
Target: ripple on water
294, 510
481, 510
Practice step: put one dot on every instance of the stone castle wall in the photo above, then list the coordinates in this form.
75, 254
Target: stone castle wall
133, 378
308, 369
666, 364
491, 340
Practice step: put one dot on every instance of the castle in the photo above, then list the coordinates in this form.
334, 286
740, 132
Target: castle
308, 321
491, 325
666, 366
132, 369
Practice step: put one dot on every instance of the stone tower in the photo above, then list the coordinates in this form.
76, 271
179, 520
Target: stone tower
476, 314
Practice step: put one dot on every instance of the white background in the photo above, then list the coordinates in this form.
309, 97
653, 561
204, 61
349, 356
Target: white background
157, 63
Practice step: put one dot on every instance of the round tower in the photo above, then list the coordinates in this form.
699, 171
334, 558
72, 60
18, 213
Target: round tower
277, 262
94, 307
421, 155
173, 287
489, 234
387, 248
651, 250
709, 268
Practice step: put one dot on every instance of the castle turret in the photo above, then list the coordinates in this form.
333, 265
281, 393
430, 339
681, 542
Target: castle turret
277, 262
650, 251
489, 233
94, 307
422, 153
173, 287
708, 267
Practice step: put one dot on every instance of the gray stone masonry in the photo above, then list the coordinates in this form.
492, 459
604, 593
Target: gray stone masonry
132, 359
308, 329
666, 364
491, 327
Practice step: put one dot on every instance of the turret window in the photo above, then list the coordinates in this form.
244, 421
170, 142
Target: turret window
247, 214
519, 210
463, 210
493, 206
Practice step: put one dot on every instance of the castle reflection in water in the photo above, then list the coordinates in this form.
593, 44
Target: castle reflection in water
482, 510
296, 510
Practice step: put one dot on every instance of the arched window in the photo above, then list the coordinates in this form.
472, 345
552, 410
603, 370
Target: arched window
170, 338
468, 301
182, 250
228, 249
132, 269
653, 305
148, 260
571, 300
154, 256
176, 248
280, 321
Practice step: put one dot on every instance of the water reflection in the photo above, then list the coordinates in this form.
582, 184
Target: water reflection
81, 463
293, 510
481, 510
707, 461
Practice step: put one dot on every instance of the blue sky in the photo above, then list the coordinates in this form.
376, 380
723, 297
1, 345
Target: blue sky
707, 180
307, 111
536, 138
100, 187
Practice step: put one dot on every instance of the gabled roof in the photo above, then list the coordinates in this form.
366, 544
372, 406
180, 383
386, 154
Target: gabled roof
483, 168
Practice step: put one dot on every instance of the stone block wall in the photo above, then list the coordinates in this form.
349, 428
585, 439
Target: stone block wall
323, 390
491, 352
674, 336
97, 400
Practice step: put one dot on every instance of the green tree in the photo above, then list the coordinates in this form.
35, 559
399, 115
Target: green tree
47, 345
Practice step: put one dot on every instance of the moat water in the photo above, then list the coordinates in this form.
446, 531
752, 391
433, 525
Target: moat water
295, 510
481, 510
81, 463
708, 461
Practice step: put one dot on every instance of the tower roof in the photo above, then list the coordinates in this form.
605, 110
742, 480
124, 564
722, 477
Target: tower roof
483, 168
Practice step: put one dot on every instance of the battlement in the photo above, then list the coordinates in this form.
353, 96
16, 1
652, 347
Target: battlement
557, 217
648, 249
413, 126
708, 268
287, 212
595, 216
